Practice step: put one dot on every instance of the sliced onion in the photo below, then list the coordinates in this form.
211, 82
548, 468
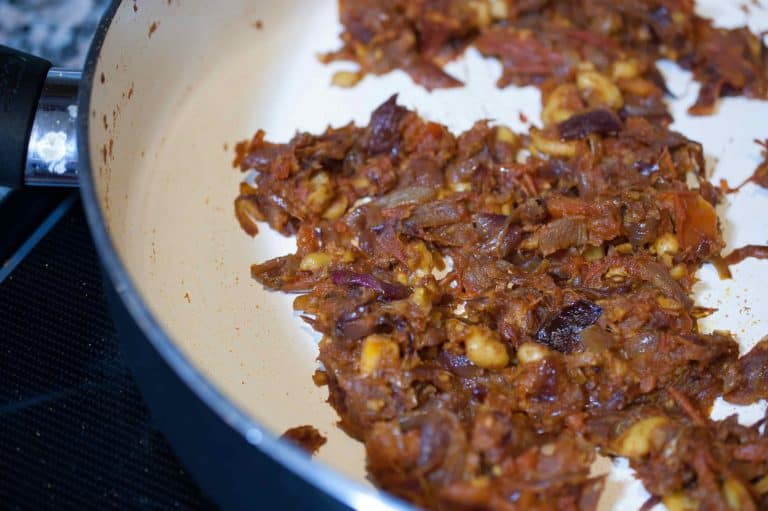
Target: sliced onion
387, 290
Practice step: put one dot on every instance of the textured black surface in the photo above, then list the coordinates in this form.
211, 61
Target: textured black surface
74, 433
21, 212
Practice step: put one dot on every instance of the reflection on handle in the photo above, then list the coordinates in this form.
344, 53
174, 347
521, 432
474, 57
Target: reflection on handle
52, 150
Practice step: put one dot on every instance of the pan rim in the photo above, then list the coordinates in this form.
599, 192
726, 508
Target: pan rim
335, 484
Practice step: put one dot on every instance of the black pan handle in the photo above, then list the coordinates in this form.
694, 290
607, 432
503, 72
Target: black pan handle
38, 122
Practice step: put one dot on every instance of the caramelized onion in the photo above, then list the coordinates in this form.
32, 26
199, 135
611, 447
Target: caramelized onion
387, 290
601, 120
562, 331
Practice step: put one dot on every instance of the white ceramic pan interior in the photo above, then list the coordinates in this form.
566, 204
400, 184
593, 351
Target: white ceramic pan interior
179, 82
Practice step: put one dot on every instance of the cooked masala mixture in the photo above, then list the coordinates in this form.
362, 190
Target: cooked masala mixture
498, 308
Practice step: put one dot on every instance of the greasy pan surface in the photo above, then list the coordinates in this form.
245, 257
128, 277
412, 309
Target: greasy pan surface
176, 84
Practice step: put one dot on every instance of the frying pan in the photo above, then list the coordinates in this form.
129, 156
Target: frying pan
225, 367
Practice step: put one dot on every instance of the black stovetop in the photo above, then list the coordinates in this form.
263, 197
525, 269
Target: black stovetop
74, 432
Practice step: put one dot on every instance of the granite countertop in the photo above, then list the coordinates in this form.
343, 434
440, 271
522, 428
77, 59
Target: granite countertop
58, 30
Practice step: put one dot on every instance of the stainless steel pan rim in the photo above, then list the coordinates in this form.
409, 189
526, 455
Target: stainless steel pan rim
345, 490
